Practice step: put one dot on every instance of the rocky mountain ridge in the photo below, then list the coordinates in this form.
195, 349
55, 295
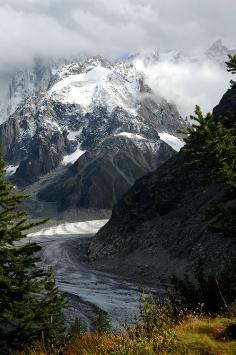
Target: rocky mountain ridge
33, 79
103, 174
86, 105
217, 53
28, 81
66, 110
158, 228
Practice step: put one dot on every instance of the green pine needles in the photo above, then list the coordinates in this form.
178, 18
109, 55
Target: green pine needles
231, 67
30, 304
211, 144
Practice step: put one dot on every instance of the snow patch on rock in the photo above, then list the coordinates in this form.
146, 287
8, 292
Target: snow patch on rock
71, 159
131, 135
10, 169
171, 140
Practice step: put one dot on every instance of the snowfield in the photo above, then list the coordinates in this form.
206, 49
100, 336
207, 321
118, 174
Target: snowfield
10, 170
99, 86
71, 159
171, 140
131, 135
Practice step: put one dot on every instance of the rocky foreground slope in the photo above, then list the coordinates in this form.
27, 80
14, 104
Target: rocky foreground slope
158, 228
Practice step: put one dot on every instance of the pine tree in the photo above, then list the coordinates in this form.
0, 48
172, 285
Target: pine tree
22, 283
231, 64
211, 144
101, 323
50, 316
77, 329
231, 67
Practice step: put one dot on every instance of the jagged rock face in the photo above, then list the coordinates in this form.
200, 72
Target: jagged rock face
102, 175
84, 104
147, 57
29, 81
17, 133
46, 154
158, 229
218, 52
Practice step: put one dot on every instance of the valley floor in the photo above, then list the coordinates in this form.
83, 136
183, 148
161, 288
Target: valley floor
64, 247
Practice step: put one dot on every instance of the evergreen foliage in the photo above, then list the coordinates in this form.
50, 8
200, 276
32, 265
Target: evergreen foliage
77, 329
212, 145
53, 323
26, 300
101, 323
231, 67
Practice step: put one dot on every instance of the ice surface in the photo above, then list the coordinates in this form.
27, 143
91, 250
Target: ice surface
77, 228
60, 248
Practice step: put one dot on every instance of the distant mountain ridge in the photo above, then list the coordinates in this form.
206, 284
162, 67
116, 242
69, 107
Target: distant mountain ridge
31, 80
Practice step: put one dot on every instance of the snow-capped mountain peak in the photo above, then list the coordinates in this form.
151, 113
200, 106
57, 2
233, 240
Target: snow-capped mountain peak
96, 122
45, 73
96, 84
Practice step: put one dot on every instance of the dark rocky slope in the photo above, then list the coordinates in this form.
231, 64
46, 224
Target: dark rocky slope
158, 228
102, 175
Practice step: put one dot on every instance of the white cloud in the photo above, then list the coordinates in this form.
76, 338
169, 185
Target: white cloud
114, 28
188, 83
111, 27
25, 35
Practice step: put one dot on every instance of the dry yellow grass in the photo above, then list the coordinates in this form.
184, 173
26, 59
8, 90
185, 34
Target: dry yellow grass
91, 344
197, 336
194, 336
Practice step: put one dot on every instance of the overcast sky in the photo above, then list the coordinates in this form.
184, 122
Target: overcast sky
110, 27
113, 28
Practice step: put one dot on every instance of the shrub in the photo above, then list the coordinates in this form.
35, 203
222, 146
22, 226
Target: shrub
77, 329
101, 323
210, 294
